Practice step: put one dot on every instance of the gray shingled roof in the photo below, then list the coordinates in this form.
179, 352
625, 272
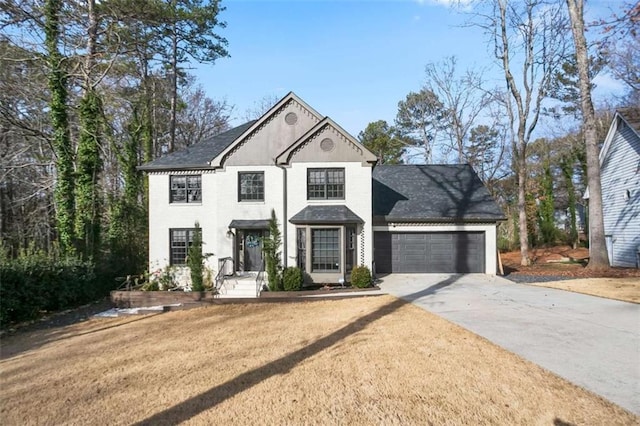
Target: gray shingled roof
632, 116
447, 193
199, 155
249, 224
326, 214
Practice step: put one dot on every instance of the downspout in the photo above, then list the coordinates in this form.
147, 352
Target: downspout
284, 214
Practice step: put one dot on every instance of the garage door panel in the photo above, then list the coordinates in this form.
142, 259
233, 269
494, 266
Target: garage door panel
447, 252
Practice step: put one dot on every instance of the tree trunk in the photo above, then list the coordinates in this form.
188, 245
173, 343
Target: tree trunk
598, 257
522, 214
64, 187
174, 89
88, 160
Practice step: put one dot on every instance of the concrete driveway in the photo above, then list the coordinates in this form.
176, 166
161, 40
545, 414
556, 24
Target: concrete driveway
590, 341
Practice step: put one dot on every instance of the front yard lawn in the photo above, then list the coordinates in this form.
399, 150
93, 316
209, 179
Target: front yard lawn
373, 360
624, 289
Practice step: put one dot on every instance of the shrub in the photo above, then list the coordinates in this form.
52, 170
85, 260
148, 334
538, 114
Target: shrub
151, 286
271, 247
195, 261
163, 279
35, 282
292, 278
360, 277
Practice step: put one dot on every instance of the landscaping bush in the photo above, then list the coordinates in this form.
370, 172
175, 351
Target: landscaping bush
292, 279
195, 261
271, 247
360, 277
36, 282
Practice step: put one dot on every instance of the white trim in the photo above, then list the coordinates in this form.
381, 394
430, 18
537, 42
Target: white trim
181, 172
428, 227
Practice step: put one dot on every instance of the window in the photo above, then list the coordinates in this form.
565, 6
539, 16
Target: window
350, 248
180, 241
325, 184
302, 248
251, 186
186, 189
325, 250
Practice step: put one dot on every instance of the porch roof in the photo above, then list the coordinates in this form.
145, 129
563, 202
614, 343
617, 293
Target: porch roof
326, 214
249, 224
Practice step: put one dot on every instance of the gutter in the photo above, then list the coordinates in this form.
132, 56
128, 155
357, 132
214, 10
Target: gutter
144, 168
284, 214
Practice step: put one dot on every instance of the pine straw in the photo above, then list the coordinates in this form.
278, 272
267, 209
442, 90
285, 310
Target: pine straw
372, 360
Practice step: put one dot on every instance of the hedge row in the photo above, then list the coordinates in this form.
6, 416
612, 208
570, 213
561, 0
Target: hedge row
32, 284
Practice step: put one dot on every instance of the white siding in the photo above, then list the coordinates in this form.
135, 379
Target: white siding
164, 216
620, 172
229, 208
357, 199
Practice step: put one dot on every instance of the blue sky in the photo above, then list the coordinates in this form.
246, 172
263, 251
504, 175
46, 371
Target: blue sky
351, 60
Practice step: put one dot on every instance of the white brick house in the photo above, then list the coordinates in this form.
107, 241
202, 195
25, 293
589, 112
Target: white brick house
320, 181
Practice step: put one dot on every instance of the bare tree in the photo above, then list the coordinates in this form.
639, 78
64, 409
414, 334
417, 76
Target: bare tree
260, 107
201, 117
529, 39
598, 257
462, 97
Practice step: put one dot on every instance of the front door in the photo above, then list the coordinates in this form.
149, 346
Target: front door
252, 250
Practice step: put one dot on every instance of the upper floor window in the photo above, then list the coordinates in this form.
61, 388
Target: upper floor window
325, 184
251, 186
186, 189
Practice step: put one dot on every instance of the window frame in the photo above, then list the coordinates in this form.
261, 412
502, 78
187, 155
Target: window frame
336, 248
240, 194
350, 247
326, 184
189, 234
187, 190
301, 248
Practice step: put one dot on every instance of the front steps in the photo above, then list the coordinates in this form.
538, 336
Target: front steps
241, 286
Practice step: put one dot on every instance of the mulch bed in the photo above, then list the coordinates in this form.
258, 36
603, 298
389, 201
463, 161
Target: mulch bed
555, 264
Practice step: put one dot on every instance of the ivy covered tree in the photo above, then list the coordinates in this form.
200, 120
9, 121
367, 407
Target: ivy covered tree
64, 188
87, 195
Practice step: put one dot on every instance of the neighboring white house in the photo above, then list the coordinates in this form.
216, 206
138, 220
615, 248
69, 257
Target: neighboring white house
620, 179
332, 202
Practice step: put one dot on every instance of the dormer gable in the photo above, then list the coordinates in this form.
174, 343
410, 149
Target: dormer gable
326, 142
277, 129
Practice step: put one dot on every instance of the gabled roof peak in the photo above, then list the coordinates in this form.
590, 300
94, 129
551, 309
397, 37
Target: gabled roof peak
262, 121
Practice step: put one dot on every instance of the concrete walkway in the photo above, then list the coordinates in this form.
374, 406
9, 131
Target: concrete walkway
590, 341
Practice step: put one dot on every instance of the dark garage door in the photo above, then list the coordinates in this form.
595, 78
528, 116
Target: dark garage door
449, 252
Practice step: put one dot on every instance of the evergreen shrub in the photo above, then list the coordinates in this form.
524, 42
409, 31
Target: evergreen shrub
35, 282
292, 278
361, 277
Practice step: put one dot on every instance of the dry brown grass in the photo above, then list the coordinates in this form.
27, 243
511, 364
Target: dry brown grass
625, 289
370, 360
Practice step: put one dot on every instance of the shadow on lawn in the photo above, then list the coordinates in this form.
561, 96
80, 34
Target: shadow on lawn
42, 337
193, 406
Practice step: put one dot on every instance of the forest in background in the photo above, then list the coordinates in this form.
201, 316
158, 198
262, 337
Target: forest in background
89, 90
